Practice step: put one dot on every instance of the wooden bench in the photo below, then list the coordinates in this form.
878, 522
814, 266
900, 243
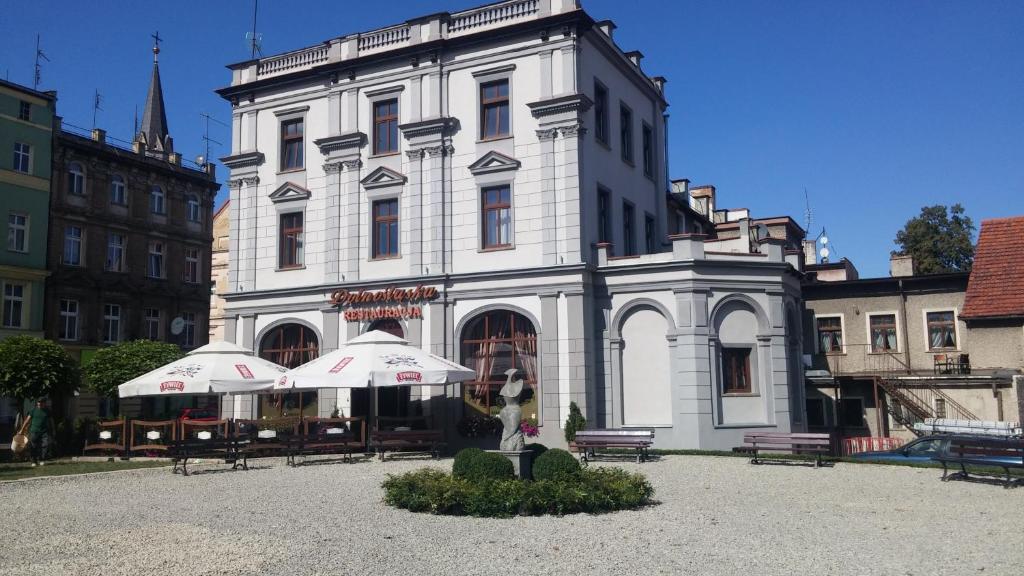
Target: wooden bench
796, 443
227, 449
427, 441
979, 451
587, 442
266, 437
325, 436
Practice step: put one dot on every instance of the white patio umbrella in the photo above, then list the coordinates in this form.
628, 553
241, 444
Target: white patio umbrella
375, 359
217, 368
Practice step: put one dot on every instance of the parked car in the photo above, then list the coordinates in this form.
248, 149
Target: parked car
198, 414
920, 450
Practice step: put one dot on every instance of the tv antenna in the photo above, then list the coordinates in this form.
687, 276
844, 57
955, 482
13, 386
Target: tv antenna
39, 67
97, 99
205, 158
808, 214
253, 39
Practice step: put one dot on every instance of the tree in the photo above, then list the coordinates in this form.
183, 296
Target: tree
938, 241
35, 368
113, 366
574, 423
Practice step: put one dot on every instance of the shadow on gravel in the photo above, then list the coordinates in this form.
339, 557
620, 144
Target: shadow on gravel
798, 463
327, 461
990, 480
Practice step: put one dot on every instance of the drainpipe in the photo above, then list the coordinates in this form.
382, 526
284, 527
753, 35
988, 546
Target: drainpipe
906, 329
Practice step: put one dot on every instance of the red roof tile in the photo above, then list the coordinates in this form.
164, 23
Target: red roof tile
996, 287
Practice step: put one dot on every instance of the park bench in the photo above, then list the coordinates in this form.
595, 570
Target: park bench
587, 442
207, 448
796, 443
982, 451
427, 441
326, 436
266, 437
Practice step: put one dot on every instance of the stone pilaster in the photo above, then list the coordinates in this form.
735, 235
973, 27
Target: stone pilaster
332, 230
414, 220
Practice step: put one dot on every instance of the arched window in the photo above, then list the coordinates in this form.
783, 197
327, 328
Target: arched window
289, 345
76, 179
492, 343
118, 194
192, 208
389, 325
156, 200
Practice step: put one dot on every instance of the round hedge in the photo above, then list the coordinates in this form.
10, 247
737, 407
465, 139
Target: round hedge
476, 465
557, 465
536, 448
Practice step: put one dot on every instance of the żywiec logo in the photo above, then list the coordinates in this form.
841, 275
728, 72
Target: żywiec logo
244, 371
282, 382
341, 364
409, 377
172, 385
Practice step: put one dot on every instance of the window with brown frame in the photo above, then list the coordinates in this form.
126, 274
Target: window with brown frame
830, 334
497, 217
883, 332
736, 371
289, 345
291, 241
941, 330
494, 110
385, 126
492, 343
385, 228
291, 145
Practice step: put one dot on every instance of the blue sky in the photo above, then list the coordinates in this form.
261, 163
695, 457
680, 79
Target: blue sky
875, 107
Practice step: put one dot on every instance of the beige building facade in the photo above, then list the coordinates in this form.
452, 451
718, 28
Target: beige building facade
219, 270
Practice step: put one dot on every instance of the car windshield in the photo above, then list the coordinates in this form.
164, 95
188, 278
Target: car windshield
927, 446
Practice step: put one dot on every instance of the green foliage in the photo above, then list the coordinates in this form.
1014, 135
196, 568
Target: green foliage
555, 464
574, 423
593, 490
35, 368
113, 366
477, 426
938, 241
476, 465
536, 448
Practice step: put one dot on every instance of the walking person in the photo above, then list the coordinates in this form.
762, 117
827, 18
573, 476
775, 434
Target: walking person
40, 432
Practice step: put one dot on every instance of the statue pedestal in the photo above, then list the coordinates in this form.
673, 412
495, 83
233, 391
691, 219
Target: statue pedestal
522, 462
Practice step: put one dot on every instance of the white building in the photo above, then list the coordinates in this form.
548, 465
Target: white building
493, 182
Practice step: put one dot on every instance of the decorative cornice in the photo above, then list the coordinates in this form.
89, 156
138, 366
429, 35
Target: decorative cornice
434, 151
243, 160
290, 111
332, 167
382, 177
352, 164
349, 140
289, 191
251, 180
505, 69
414, 154
442, 126
573, 103
235, 184
547, 134
494, 161
573, 130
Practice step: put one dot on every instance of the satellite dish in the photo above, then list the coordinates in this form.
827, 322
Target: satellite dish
824, 254
177, 325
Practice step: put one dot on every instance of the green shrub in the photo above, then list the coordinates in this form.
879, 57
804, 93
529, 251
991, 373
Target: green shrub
555, 464
574, 423
592, 491
536, 448
476, 465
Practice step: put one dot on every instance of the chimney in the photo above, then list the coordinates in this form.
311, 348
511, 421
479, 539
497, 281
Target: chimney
635, 57
606, 26
681, 186
810, 252
99, 135
901, 265
704, 199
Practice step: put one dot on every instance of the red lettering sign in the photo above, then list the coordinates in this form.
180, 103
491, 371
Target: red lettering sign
244, 371
388, 295
341, 364
409, 377
172, 385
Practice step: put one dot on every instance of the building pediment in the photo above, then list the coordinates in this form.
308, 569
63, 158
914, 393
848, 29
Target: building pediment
494, 162
382, 177
289, 191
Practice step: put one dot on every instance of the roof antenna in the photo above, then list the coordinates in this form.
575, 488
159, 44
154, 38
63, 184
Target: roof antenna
253, 39
205, 158
39, 54
96, 100
808, 214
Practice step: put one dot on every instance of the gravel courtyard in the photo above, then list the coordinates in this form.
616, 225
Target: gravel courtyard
714, 516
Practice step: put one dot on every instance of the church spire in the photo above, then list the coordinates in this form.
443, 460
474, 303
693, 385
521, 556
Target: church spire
153, 134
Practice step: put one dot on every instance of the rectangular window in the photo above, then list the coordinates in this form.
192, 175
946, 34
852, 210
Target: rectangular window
290, 241
830, 334
736, 371
816, 413
941, 330
385, 126
68, 329
940, 407
291, 145
193, 209
17, 232
649, 234
385, 228
628, 229
188, 337
648, 150
115, 253
111, 323
156, 200
14, 305
497, 216
494, 110
155, 264
191, 265
24, 111
151, 326
72, 246
22, 157
883, 332
117, 191
600, 112
604, 230
626, 132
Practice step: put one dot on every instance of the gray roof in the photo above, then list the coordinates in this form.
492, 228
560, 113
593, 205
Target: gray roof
154, 119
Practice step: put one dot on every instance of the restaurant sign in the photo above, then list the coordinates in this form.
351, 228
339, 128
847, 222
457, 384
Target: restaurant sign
365, 305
